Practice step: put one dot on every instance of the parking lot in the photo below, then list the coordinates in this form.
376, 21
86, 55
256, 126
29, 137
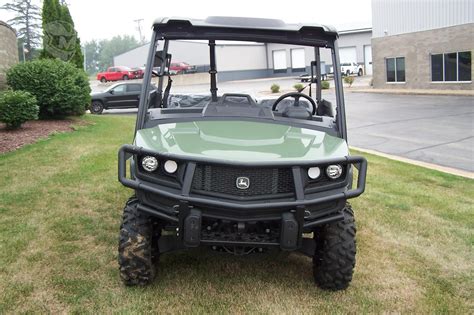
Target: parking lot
434, 129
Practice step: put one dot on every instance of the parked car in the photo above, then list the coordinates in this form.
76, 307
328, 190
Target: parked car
181, 67
306, 77
348, 68
116, 73
138, 72
119, 95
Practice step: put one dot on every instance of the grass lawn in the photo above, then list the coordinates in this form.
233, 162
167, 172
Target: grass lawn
60, 210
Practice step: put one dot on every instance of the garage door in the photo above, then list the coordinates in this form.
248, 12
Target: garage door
368, 59
348, 54
279, 61
297, 60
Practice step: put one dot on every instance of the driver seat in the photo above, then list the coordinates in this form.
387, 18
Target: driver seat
297, 111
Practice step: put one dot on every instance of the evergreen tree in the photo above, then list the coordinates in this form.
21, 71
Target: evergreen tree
78, 57
27, 24
50, 15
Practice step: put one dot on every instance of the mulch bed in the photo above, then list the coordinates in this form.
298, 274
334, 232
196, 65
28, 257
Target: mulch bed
30, 132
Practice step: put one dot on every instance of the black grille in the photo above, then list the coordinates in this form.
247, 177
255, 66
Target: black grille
222, 180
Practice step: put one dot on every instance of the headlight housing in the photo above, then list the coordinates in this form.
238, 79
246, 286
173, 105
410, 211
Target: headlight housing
149, 163
314, 172
334, 171
170, 166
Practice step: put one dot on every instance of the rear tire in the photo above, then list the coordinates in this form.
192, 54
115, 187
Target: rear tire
103, 80
137, 244
334, 259
125, 77
360, 73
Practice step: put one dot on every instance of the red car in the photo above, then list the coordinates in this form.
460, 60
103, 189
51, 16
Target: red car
116, 73
181, 67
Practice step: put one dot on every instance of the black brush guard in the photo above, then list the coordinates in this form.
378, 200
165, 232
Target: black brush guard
188, 215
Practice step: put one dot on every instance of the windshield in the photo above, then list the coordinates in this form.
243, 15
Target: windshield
262, 70
262, 80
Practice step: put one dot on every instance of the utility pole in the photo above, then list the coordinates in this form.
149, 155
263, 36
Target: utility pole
139, 29
85, 57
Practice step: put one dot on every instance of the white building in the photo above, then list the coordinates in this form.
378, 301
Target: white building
244, 60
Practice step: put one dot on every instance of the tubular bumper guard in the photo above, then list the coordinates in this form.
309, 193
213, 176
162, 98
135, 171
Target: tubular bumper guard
128, 151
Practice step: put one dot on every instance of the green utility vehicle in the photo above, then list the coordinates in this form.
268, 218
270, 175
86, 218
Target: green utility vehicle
235, 173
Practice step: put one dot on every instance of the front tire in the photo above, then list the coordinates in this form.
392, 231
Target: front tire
136, 246
334, 259
96, 107
125, 77
360, 73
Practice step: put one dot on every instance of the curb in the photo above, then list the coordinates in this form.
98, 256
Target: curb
444, 169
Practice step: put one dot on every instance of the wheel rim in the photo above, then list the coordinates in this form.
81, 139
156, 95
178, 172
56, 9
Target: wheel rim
96, 108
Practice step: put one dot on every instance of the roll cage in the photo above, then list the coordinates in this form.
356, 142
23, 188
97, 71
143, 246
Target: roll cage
240, 29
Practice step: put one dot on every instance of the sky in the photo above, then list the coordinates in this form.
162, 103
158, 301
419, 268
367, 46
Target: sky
102, 19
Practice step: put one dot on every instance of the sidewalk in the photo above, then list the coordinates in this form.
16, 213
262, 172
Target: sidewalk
410, 91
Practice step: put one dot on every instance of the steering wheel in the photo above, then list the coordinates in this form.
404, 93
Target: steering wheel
296, 96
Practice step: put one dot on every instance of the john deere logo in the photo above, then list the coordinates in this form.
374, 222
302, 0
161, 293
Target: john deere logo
242, 182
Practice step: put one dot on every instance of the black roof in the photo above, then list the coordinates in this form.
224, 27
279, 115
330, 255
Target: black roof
173, 26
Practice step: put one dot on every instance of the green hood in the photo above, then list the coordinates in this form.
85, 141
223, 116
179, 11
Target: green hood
241, 141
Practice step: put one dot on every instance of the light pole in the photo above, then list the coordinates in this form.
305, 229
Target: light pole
23, 50
85, 62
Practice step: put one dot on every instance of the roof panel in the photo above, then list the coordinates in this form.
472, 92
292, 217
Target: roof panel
244, 23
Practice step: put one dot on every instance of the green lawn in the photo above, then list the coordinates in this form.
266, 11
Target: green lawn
60, 210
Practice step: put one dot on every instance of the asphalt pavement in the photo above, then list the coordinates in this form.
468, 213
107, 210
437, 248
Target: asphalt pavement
428, 128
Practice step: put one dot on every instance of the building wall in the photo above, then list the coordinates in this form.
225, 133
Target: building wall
392, 17
132, 58
416, 48
8, 51
357, 39
233, 58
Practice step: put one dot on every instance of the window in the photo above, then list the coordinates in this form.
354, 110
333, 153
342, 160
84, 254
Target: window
279, 61
298, 63
451, 67
134, 88
119, 89
395, 69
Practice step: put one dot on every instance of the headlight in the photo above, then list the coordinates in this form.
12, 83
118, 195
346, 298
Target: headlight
149, 163
171, 166
314, 172
334, 171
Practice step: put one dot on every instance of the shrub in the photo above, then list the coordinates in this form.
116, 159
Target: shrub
275, 88
349, 80
299, 87
59, 87
16, 107
325, 85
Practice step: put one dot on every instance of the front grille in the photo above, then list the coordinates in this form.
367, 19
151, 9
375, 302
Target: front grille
222, 180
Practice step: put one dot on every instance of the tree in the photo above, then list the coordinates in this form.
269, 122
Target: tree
60, 38
100, 54
92, 51
27, 24
50, 14
113, 47
78, 57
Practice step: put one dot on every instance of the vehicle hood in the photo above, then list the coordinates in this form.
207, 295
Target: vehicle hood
242, 141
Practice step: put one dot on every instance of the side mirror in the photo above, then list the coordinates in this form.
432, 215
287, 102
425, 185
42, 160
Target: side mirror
158, 61
111, 91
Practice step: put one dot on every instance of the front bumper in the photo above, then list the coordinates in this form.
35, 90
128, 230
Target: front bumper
308, 209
